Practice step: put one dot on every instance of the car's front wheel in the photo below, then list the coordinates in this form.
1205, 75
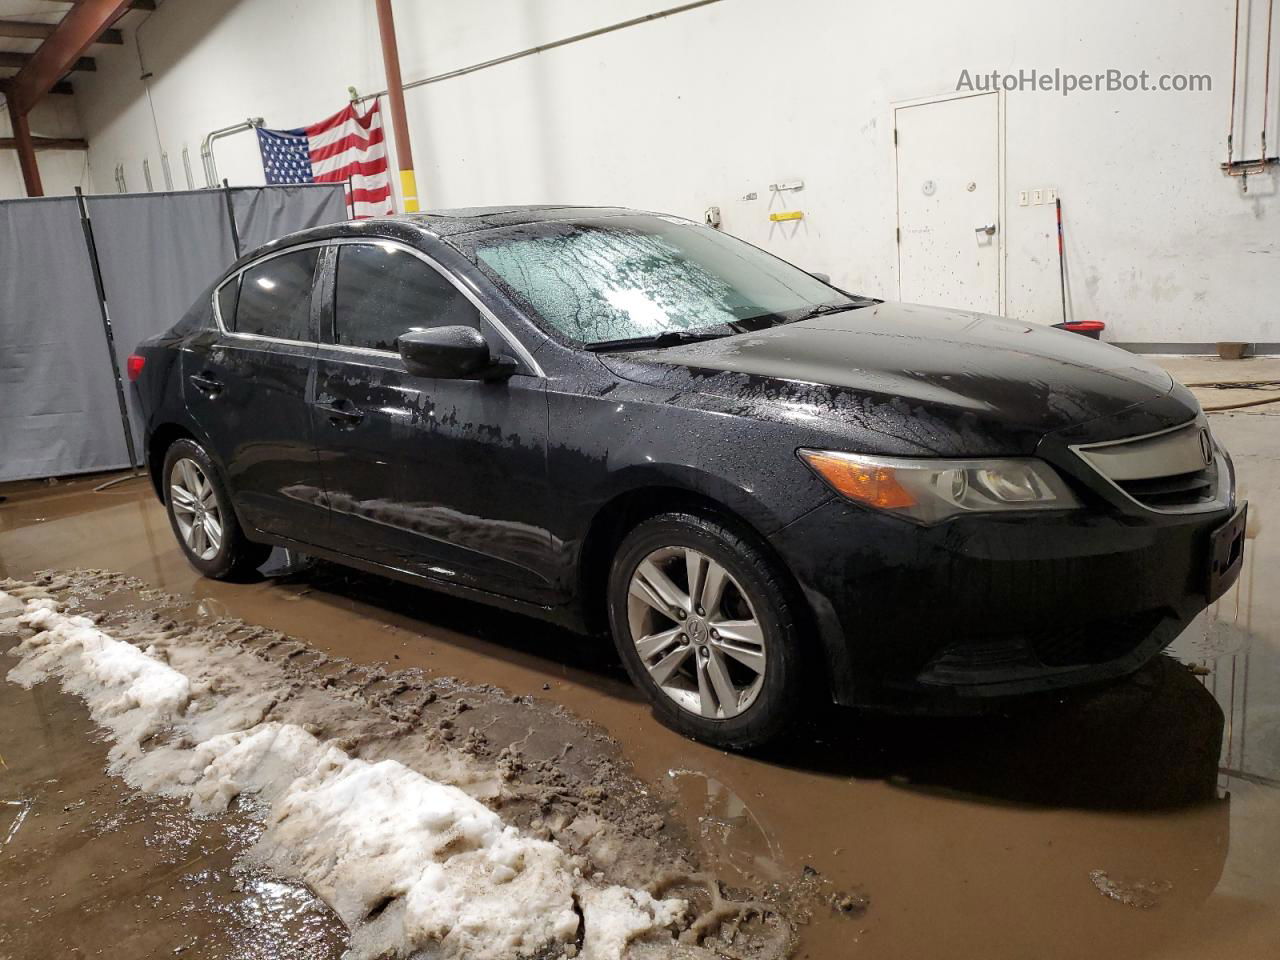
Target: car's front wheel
706, 625
202, 518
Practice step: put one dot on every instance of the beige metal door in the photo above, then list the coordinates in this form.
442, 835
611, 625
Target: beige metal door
949, 226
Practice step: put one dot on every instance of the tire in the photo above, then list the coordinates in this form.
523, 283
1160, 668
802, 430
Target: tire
202, 517
712, 691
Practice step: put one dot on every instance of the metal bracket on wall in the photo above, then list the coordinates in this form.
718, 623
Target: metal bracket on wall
1244, 168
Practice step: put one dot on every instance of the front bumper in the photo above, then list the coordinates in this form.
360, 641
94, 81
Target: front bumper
945, 617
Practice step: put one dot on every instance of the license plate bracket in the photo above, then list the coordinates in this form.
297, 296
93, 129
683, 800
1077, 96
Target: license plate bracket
1226, 553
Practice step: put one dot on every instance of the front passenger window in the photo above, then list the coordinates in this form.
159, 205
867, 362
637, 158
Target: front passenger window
275, 297
382, 290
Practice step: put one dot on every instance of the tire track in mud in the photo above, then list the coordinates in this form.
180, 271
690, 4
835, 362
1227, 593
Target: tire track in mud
552, 775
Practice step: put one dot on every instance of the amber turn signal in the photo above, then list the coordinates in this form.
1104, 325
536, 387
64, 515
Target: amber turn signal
873, 485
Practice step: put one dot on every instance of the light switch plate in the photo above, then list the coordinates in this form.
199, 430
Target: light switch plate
1051, 195
1022, 198
1037, 197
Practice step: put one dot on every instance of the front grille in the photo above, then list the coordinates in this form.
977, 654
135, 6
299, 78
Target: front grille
1179, 490
1173, 471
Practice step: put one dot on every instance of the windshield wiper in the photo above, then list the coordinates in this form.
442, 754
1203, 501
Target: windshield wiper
824, 308
668, 338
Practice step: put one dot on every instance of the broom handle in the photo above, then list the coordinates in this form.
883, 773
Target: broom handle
1062, 261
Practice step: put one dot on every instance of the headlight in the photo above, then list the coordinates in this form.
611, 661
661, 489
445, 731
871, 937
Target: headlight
933, 490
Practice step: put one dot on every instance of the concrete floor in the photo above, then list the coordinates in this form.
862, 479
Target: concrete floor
1109, 824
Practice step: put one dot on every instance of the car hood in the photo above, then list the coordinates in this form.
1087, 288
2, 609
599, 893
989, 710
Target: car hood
986, 369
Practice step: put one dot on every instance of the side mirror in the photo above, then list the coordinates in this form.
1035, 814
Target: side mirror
451, 353
824, 277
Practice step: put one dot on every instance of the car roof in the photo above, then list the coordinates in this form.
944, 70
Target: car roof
451, 222
440, 224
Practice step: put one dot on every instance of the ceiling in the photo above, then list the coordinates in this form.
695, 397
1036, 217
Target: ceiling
23, 21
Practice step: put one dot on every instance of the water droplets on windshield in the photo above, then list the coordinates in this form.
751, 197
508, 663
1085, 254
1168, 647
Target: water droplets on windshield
613, 278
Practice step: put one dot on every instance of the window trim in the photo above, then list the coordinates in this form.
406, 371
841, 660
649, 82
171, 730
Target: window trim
258, 337
504, 333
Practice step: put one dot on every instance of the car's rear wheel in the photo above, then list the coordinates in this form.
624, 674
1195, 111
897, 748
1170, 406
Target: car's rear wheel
202, 518
705, 623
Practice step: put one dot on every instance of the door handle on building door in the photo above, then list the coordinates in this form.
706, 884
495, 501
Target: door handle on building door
989, 230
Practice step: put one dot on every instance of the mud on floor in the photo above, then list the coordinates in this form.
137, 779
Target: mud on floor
554, 776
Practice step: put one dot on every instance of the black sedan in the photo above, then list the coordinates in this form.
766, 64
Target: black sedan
760, 484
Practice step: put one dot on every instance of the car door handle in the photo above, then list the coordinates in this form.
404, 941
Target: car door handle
210, 385
340, 415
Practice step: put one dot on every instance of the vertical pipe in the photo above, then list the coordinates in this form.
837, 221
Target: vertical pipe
1266, 84
231, 216
26, 150
1235, 63
101, 293
395, 100
186, 166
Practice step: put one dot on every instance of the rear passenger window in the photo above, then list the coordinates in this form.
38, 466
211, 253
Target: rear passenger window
227, 297
383, 290
275, 297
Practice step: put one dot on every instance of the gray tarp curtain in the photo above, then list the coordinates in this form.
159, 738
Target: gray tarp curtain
157, 252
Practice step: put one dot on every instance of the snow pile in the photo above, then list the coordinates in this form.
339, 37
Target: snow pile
406, 862
132, 695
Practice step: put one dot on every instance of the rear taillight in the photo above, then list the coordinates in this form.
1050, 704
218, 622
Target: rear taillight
134, 366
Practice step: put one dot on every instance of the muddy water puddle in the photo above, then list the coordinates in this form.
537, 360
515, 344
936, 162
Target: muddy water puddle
1142, 820
89, 868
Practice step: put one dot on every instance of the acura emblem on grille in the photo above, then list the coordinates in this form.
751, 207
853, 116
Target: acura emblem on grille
1206, 447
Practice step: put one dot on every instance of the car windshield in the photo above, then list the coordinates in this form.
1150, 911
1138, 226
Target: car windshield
606, 280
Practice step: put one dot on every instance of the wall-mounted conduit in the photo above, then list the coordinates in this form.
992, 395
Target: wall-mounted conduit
543, 47
1243, 168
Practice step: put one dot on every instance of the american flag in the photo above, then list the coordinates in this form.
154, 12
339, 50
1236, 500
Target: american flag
346, 146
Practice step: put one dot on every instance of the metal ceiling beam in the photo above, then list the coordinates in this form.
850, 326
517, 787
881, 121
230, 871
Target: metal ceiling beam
135, 5
24, 30
57, 56
47, 143
16, 58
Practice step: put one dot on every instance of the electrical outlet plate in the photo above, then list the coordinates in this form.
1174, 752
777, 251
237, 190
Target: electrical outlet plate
1037, 197
1022, 198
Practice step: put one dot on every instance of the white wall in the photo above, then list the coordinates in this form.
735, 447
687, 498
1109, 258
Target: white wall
61, 171
707, 106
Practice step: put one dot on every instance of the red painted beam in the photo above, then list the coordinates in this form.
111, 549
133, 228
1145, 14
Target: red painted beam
47, 143
16, 58
56, 57
26, 151
40, 31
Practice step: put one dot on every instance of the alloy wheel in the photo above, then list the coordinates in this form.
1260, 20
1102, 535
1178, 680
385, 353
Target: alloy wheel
195, 508
696, 632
